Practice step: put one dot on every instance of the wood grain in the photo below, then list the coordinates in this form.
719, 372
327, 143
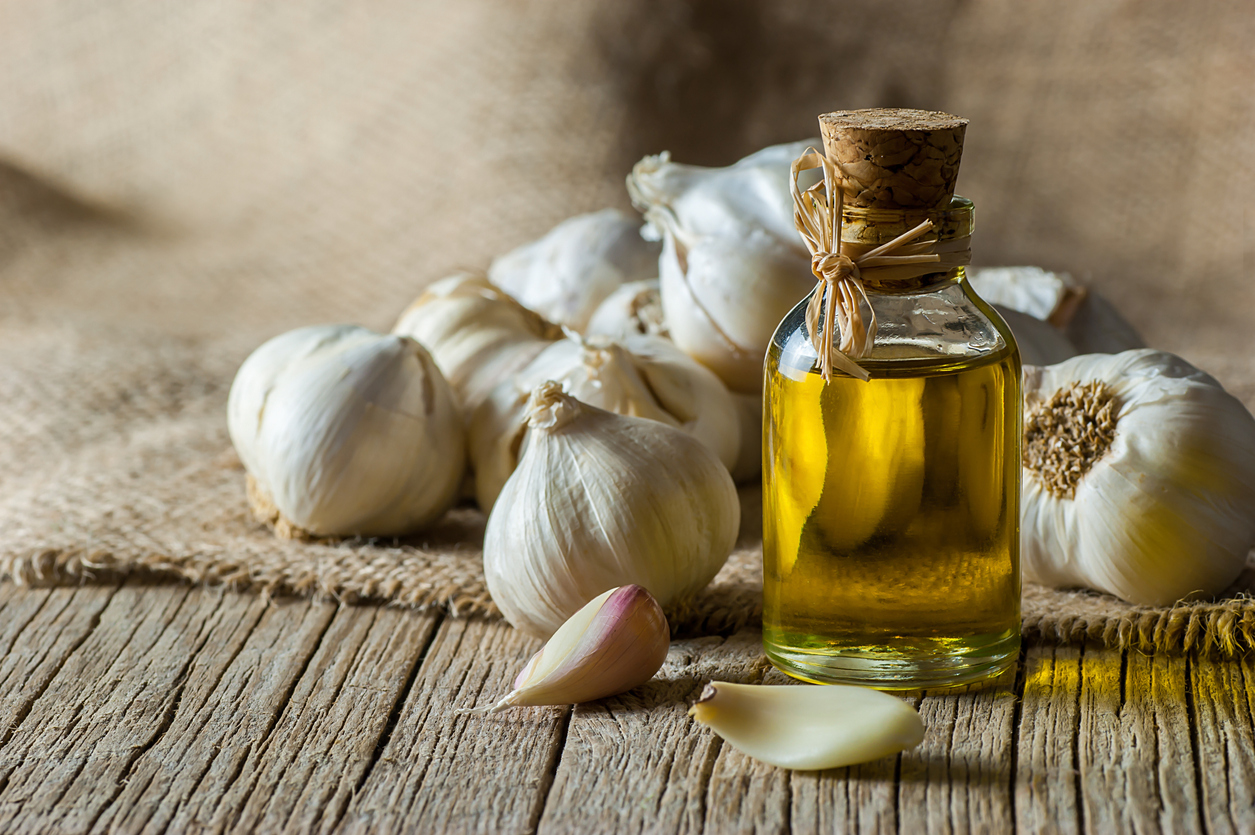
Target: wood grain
155, 708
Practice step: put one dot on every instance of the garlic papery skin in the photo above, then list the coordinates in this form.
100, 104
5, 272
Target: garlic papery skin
601, 500
477, 334
617, 641
347, 432
635, 309
1088, 321
640, 376
1040, 343
1139, 478
751, 194
809, 727
732, 262
723, 297
566, 274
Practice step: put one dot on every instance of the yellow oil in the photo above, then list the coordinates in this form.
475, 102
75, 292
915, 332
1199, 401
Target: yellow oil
890, 513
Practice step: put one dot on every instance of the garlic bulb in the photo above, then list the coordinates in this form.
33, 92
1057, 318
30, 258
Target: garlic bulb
809, 727
640, 376
347, 432
477, 334
749, 461
751, 194
1139, 478
566, 274
1040, 343
732, 262
1088, 321
602, 500
632, 310
617, 641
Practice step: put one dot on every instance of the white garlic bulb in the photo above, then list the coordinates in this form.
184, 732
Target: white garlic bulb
732, 263
602, 500
1040, 343
640, 376
1139, 478
617, 641
632, 310
1087, 320
566, 274
347, 432
749, 461
752, 193
477, 334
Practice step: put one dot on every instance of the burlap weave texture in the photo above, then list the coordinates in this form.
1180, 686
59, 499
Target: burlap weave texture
178, 183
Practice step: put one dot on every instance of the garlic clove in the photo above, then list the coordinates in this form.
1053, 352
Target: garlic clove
566, 274
601, 500
632, 310
808, 727
614, 643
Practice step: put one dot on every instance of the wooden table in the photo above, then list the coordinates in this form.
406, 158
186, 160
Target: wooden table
163, 708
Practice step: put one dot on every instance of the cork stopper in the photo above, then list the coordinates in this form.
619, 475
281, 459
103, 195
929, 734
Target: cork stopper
894, 159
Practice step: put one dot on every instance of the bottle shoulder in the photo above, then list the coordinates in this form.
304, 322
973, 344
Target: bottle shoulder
942, 326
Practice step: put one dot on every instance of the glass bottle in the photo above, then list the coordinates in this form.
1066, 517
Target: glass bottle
891, 506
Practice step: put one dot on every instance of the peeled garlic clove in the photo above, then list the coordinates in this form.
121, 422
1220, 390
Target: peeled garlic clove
809, 727
477, 334
639, 376
1139, 478
347, 432
601, 500
616, 642
634, 309
566, 274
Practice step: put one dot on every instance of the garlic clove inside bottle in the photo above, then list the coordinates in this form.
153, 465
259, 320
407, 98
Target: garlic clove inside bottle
617, 641
347, 432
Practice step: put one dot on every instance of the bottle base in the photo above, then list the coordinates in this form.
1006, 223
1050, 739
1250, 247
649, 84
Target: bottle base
943, 664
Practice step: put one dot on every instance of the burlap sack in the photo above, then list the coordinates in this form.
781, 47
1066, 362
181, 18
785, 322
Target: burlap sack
180, 182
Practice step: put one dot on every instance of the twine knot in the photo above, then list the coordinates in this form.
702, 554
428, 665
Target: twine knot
833, 266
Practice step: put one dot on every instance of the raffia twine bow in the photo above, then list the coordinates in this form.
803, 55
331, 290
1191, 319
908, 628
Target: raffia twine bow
817, 213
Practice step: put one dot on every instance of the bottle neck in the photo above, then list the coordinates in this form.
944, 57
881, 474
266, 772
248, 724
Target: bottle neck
865, 229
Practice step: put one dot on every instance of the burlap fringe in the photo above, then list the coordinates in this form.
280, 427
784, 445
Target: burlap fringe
1224, 628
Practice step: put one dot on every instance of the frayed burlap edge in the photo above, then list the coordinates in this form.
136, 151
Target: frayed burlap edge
1223, 628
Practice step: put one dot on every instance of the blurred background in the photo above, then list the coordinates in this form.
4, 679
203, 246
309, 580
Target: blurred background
217, 172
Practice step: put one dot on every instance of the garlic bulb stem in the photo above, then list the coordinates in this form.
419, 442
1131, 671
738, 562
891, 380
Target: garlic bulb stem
614, 643
808, 727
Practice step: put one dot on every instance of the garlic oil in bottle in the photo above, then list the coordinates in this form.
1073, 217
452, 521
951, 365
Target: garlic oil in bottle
891, 504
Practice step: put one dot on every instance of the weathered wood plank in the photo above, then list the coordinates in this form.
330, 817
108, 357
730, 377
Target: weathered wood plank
325, 742
39, 630
1046, 790
103, 705
1134, 733
1222, 699
959, 778
232, 695
444, 771
647, 764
